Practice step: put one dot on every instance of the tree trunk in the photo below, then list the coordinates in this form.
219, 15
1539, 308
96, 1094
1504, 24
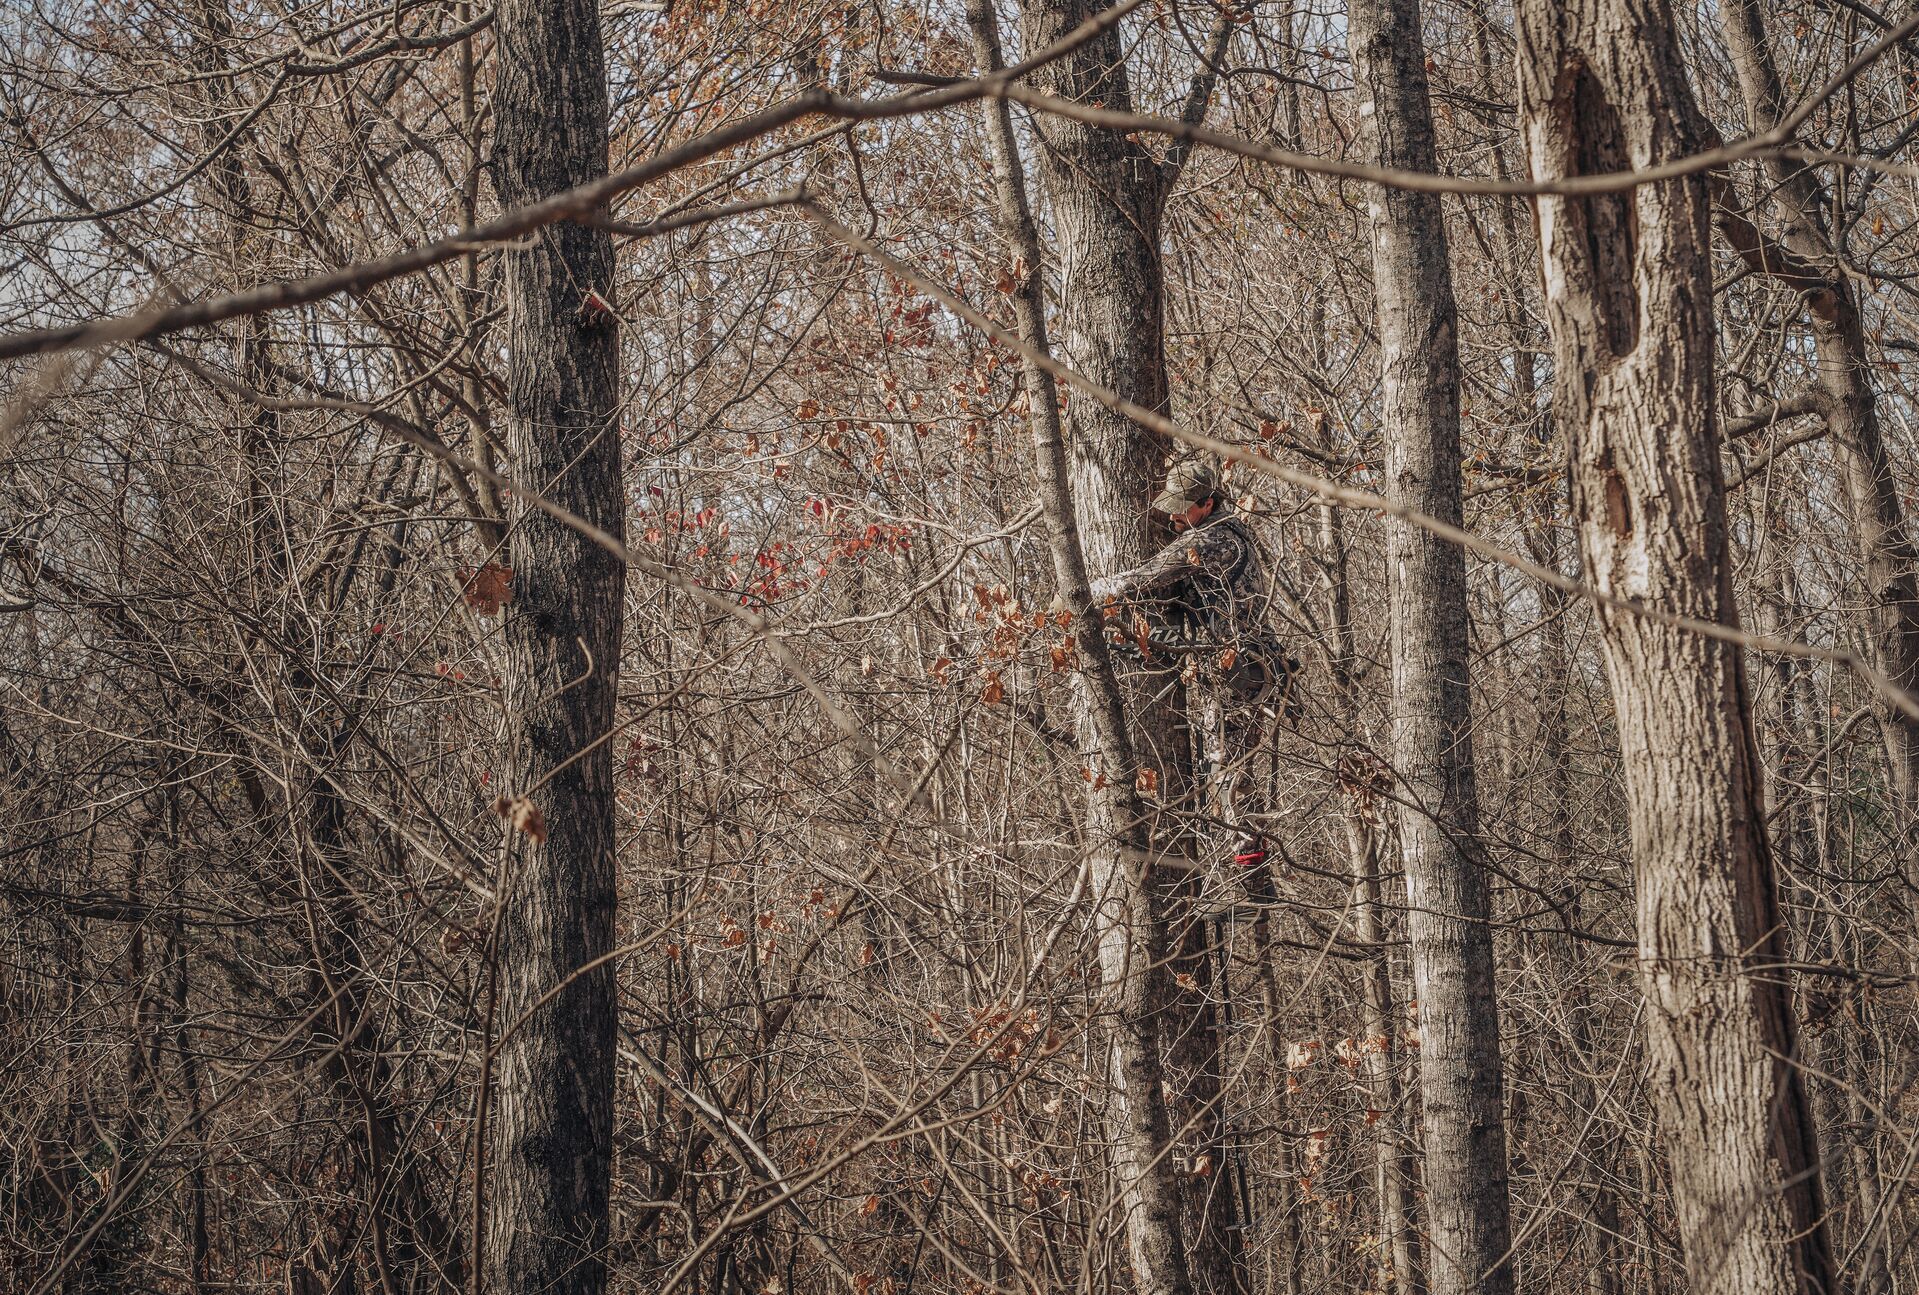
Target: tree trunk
1393, 1171
1597, 1207
1629, 301
1127, 907
1806, 259
1851, 1184
1108, 195
1450, 904
1288, 1248
550, 1142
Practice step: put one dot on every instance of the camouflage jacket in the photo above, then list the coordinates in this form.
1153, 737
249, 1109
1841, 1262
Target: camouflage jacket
1210, 582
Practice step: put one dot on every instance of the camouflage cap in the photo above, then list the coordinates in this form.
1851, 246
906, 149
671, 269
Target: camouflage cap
1189, 482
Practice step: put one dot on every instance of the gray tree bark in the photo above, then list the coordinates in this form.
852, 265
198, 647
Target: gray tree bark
1598, 1209
1449, 901
1393, 1171
1127, 910
1108, 194
550, 1141
1628, 289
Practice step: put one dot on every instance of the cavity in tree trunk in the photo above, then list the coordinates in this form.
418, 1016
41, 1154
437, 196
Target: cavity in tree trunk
1629, 299
551, 1128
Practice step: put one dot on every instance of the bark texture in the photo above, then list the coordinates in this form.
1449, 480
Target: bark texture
1108, 195
1393, 1172
1449, 902
551, 1133
1629, 301
1127, 908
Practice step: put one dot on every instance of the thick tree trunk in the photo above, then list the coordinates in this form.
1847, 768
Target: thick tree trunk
1629, 300
1108, 193
551, 1133
1805, 258
1127, 906
1107, 196
1449, 901
1599, 1254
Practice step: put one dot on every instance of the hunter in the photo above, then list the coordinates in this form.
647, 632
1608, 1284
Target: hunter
1209, 603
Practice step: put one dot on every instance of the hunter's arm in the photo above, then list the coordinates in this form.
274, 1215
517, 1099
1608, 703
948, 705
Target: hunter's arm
1211, 548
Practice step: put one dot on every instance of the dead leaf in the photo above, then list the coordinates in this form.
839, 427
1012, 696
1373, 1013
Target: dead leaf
522, 815
487, 589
